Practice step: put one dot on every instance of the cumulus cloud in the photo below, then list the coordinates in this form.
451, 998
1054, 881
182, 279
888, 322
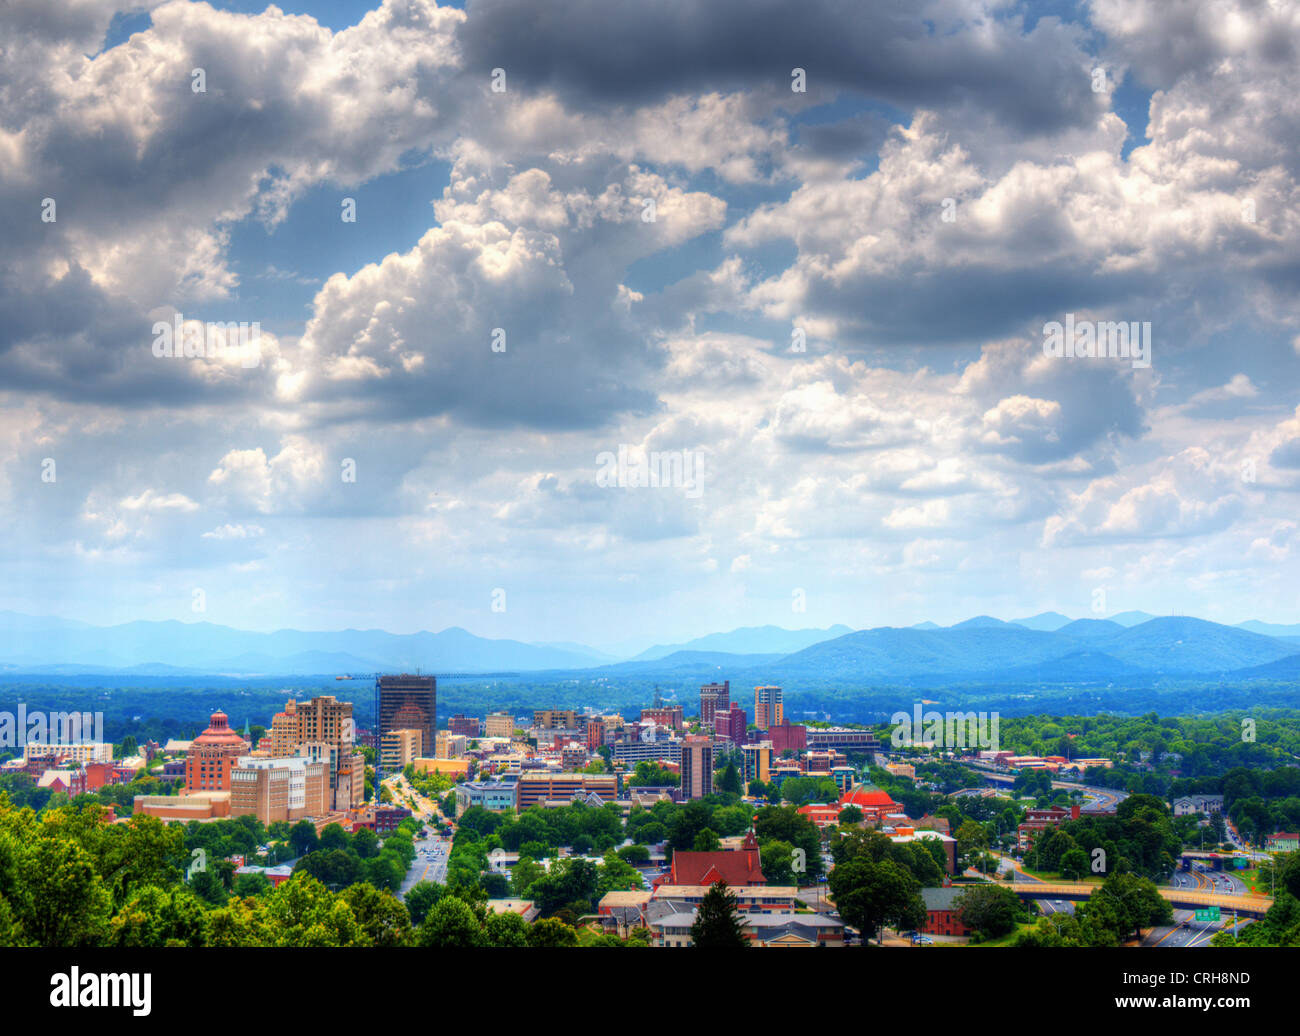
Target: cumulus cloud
648, 240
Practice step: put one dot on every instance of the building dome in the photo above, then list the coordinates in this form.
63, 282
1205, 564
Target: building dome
218, 733
864, 796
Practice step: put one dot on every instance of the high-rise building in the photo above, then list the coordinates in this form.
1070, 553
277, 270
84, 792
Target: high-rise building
697, 767
325, 718
408, 703
595, 734
757, 762
466, 725
731, 723
212, 756
713, 697
285, 735
321, 730
499, 724
769, 709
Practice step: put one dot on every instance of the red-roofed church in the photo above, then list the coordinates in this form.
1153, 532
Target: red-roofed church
736, 867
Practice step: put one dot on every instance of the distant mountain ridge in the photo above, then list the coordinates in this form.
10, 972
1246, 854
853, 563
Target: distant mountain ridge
1086, 650
30, 644
980, 649
748, 640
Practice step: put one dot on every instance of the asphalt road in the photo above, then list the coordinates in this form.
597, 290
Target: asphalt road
428, 865
1186, 931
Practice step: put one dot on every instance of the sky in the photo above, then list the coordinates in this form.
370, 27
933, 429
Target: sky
799, 259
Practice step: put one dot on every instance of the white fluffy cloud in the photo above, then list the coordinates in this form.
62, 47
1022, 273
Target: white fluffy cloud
655, 254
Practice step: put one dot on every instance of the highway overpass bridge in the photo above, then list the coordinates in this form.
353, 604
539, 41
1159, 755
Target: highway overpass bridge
1181, 899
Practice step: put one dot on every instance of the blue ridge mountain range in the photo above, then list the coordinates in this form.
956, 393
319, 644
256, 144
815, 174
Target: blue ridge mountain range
1045, 648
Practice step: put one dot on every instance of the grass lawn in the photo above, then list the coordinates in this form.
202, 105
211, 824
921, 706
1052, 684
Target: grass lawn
1252, 879
1006, 940
1054, 876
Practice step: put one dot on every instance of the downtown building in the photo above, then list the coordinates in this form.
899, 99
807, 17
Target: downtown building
664, 716
289, 789
769, 707
731, 723
756, 762
842, 738
321, 730
408, 702
541, 789
714, 697
632, 752
697, 767
213, 755
467, 726
558, 719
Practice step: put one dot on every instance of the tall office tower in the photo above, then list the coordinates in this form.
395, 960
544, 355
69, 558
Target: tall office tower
768, 707
714, 697
327, 733
284, 736
697, 767
408, 703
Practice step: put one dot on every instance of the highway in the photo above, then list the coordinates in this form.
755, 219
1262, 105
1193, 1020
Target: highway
1187, 899
1186, 931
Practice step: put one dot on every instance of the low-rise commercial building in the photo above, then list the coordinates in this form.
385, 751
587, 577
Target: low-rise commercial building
535, 789
290, 789
499, 724
491, 795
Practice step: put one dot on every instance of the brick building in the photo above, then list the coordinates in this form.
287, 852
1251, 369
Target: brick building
213, 755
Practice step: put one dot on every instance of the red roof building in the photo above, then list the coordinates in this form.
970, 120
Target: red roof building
736, 867
822, 816
874, 803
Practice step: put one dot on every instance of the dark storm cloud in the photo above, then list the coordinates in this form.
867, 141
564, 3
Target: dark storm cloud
594, 52
924, 307
857, 137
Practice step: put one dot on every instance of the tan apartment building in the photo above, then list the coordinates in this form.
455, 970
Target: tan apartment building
399, 748
450, 745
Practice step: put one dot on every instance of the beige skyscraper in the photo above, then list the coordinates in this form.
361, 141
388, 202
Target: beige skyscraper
769, 710
697, 766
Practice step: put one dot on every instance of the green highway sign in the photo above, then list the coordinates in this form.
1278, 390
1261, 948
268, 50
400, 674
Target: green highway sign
1208, 914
